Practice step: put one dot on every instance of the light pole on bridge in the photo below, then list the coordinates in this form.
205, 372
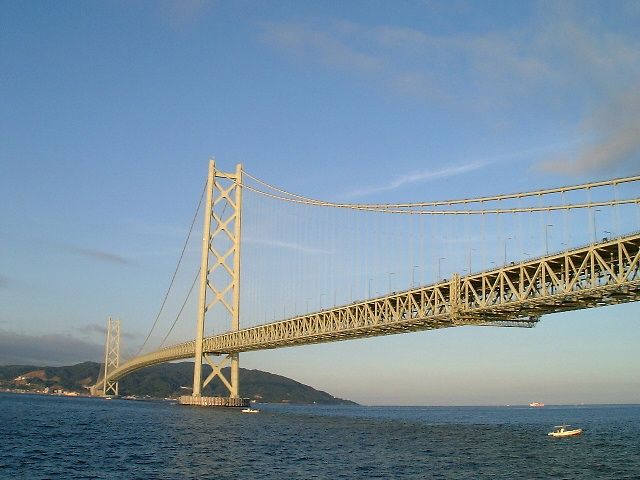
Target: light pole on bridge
440, 267
595, 230
413, 275
505, 250
546, 237
390, 275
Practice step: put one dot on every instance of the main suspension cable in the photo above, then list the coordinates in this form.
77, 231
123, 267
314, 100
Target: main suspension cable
395, 209
181, 309
173, 277
439, 203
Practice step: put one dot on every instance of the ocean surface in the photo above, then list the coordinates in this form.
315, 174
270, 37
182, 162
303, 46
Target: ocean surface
45, 437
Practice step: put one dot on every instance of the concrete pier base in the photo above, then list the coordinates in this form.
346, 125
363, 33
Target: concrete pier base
214, 401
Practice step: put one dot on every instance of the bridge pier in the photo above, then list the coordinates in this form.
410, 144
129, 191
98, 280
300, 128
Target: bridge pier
214, 401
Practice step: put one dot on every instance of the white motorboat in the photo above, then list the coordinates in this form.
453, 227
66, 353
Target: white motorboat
250, 410
564, 431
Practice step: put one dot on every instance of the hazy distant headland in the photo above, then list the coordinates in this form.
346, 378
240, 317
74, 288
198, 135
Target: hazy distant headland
161, 381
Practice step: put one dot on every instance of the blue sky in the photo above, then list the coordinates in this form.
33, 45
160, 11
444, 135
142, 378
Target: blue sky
110, 111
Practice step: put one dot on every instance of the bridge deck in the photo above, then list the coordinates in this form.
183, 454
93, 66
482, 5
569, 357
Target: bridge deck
601, 274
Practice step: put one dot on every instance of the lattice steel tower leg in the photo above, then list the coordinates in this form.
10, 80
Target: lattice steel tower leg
111, 356
220, 272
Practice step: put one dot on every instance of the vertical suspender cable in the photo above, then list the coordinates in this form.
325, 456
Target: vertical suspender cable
616, 211
520, 232
592, 220
484, 251
565, 223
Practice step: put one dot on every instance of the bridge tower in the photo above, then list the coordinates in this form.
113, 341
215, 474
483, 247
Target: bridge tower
219, 284
111, 356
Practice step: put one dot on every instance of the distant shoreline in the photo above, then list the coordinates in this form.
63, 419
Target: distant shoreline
157, 399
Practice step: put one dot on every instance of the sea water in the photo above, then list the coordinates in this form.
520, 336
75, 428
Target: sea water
45, 437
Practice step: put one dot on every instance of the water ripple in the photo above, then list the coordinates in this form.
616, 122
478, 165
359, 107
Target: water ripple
79, 438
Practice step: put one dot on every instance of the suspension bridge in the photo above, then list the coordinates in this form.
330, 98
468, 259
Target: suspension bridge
585, 267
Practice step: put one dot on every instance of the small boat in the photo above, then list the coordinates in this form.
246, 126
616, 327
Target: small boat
536, 404
250, 410
564, 431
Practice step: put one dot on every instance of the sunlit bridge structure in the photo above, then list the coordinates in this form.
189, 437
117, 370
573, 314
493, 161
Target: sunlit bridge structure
317, 271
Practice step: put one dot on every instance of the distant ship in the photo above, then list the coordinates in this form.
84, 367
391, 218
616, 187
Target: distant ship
536, 404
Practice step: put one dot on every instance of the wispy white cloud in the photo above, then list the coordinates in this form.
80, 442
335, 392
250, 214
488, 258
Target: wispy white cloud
305, 41
412, 62
288, 246
405, 180
540, 63
610, 64
100, 330
181, 14
91, 253
416, 177
615, 140
95, 254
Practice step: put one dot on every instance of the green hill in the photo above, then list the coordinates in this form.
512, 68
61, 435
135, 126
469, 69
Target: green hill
163, 380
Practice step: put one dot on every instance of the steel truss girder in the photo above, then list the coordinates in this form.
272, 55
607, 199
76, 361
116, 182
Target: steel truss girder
601, 274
